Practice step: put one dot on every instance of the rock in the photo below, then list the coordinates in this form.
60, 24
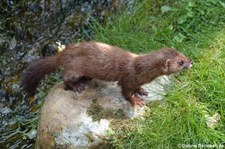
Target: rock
72, 120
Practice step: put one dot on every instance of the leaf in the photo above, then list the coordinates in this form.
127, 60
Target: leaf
179, 38
211, 121
154, 29
191, 4
223, 4
165, 9
182, 19
109, 132
190, 14
170, 27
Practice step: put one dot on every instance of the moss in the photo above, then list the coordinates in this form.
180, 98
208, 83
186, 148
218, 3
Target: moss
97, 112
90, 137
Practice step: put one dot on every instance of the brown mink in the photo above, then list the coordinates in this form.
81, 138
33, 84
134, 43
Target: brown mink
88, 60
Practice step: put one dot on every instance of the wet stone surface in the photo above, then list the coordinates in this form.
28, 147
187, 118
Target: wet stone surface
29, 29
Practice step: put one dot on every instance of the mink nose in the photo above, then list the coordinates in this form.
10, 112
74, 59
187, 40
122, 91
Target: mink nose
191, 63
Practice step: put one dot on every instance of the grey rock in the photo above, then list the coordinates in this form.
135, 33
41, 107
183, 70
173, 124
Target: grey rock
72, 120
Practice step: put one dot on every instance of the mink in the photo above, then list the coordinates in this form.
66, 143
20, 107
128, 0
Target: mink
88, 60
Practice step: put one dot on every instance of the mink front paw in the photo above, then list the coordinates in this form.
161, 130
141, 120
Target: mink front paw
141, 91
135, 100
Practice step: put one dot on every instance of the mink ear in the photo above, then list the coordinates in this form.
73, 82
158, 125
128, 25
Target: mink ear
166, 65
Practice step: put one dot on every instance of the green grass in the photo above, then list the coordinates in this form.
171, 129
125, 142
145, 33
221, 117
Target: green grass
196, 28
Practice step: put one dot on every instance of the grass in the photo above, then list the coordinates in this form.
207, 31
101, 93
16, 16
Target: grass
196, 28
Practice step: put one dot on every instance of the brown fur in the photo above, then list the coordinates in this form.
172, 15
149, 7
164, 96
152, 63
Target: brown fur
87, 60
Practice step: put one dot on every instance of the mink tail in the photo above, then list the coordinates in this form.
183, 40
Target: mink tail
35, 72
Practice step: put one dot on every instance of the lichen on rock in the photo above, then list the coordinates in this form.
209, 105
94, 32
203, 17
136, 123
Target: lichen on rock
97, 112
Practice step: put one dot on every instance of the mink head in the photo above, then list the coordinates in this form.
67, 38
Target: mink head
174, 61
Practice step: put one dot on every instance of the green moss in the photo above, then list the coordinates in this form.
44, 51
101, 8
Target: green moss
97, 112
90, 137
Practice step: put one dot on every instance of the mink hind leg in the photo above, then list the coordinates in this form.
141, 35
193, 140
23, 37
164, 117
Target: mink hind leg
141, 91
75, 81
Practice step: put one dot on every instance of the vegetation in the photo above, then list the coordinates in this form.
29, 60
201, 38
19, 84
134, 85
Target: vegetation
196, 28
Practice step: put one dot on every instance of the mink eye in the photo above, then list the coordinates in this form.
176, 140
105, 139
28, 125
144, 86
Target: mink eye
181, 62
